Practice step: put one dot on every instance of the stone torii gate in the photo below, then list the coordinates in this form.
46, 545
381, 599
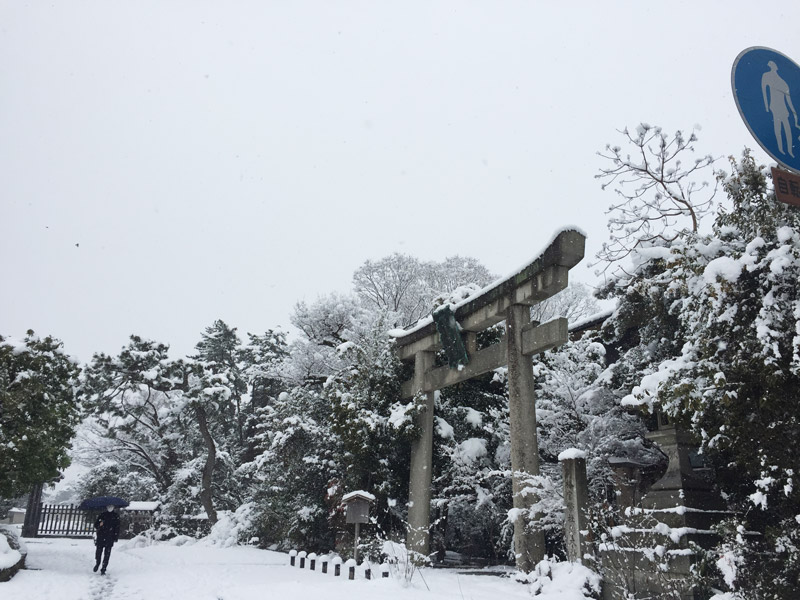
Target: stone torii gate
510, 301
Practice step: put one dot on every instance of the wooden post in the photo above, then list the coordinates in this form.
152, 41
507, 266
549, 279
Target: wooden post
302, 557
355, 545
367, 570
337, 566
528, 538
312, 561
419, 492
576, 494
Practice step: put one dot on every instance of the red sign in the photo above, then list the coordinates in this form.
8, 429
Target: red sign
787, 186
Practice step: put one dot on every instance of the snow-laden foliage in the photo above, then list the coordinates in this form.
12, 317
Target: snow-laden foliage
136, 410
472, 467
113, 478
552, 578
718, 352
233, 528
38, 411
184, 424
324, 437
577, 409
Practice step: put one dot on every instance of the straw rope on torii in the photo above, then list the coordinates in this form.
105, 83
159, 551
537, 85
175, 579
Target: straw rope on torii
508, 300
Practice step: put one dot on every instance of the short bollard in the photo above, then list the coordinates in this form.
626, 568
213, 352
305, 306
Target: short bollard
292, 557
385, 570
351, 568
337, 566
302, 556
312, 559
367, 571
324, 564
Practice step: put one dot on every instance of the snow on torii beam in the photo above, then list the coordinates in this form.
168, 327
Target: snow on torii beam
507, 300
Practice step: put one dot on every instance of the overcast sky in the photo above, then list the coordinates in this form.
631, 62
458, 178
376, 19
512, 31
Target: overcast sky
167, 163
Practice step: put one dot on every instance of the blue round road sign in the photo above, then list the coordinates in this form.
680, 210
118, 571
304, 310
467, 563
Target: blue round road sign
766, 86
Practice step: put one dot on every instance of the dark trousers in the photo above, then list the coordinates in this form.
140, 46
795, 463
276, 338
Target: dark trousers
98, 554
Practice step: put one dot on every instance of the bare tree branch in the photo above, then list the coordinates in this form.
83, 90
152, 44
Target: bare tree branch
660, 196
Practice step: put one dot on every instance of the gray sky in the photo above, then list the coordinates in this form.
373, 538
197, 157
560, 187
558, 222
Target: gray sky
167, 163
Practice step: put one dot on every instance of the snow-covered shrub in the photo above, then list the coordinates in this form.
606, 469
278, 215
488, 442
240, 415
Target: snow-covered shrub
232, 527
555, 580
402, 561
11, 548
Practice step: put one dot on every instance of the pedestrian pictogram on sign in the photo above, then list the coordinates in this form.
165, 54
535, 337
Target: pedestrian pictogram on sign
766, 86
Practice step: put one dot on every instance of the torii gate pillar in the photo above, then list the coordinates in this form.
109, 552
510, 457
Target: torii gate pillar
419, 485
528, 540
510, 301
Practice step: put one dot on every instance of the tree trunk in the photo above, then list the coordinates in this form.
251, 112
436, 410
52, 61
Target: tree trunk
208, 469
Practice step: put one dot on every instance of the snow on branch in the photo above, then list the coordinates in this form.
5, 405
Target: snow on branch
661, 193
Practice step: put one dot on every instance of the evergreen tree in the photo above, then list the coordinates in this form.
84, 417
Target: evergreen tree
158, 415
135, 407
721, 358
38, 411
472, 469
219, 353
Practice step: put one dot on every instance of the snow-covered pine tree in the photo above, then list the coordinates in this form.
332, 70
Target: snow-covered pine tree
219, 354
364, 395
38, 411
261, 359
295, 473
137, 417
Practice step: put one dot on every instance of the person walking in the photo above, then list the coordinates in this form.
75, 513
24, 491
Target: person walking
107, 526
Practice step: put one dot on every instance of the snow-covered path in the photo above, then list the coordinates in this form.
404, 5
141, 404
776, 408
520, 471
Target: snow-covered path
61, 569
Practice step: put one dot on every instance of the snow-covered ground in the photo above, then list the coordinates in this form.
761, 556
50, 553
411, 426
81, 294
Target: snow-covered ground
61, 569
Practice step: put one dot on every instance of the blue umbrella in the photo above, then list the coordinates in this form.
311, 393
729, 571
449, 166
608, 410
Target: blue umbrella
102, 502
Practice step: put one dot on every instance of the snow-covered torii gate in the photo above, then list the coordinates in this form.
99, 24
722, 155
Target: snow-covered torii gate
508, 300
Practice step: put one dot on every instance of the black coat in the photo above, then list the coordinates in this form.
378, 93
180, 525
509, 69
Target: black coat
107, 526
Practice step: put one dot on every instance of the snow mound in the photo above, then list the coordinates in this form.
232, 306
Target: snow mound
552, 580
571, 453
8, 556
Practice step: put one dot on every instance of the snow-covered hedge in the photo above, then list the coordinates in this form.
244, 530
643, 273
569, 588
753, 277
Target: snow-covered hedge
12, 554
